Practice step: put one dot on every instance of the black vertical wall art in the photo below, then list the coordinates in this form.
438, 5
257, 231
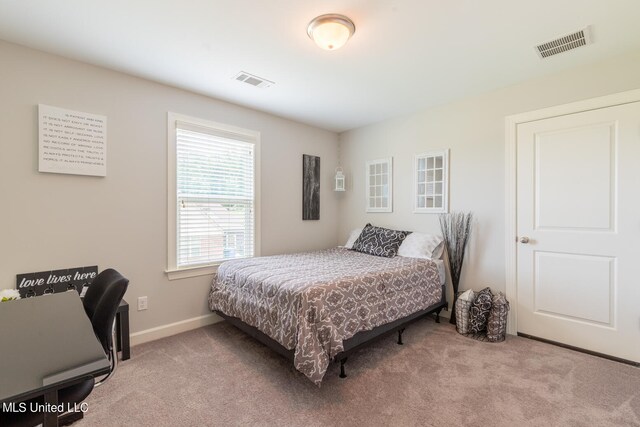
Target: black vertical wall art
310, 187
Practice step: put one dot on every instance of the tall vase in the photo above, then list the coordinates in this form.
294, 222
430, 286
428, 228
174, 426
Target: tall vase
456, 230
452, 319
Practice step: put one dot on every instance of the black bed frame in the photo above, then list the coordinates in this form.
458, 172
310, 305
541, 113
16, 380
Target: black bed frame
354, 343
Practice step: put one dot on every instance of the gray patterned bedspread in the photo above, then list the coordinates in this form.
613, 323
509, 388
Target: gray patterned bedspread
313, 301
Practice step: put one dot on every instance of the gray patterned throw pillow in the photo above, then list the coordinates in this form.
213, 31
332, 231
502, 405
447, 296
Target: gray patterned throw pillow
479, 311
497, 323
379, 241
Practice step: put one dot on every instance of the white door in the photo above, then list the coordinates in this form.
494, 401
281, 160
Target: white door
578, 204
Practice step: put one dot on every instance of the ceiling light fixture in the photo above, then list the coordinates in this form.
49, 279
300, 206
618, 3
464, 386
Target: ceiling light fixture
331, 31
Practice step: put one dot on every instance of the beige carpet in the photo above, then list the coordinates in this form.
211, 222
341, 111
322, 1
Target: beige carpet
217, 376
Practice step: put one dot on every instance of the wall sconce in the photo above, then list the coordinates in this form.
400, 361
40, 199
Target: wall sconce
340, 180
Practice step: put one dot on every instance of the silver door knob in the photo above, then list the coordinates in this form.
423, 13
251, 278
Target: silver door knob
524, 240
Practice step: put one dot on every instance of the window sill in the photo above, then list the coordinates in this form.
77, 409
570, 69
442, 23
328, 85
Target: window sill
430, 210
184, 273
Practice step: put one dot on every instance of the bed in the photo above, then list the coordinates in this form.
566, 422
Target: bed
318, 307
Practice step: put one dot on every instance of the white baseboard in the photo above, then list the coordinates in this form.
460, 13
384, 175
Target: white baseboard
163, 331
173, 328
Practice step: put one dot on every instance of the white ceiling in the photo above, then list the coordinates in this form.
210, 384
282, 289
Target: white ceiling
406, 55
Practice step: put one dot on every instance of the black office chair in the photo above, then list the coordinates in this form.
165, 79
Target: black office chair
97, 289
101, 304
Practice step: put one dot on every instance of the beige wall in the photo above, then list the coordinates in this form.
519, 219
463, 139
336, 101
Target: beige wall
474, 131
51, 221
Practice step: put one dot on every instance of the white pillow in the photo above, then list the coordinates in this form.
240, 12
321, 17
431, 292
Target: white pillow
352, 238
422, 245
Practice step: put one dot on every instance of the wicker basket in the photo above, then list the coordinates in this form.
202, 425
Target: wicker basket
497, 324
463, 303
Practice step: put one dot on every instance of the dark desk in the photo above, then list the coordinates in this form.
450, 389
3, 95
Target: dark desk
47, 343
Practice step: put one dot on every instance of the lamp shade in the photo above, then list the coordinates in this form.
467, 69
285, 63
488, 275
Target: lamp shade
331, 31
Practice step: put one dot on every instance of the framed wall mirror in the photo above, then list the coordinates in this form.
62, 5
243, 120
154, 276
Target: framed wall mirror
431, 182
379, 185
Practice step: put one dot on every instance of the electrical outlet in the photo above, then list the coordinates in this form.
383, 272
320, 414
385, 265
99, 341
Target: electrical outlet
142, 303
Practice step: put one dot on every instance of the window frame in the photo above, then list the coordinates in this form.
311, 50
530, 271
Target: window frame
386, 161
173, 271
445, 181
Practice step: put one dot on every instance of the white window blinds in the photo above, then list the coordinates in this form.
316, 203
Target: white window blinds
215, 196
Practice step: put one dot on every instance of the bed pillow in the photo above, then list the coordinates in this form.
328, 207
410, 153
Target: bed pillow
352, 237
379, 241
479, 311
421, 245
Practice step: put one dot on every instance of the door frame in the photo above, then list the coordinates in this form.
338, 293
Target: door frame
511, 127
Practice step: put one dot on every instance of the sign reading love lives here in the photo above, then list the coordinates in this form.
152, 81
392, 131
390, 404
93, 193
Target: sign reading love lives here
48, 282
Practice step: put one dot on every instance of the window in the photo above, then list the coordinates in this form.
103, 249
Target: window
431, 182
213, 195
379, 185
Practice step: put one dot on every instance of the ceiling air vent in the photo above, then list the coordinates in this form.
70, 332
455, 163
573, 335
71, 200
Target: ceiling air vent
565, 43
252, 80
